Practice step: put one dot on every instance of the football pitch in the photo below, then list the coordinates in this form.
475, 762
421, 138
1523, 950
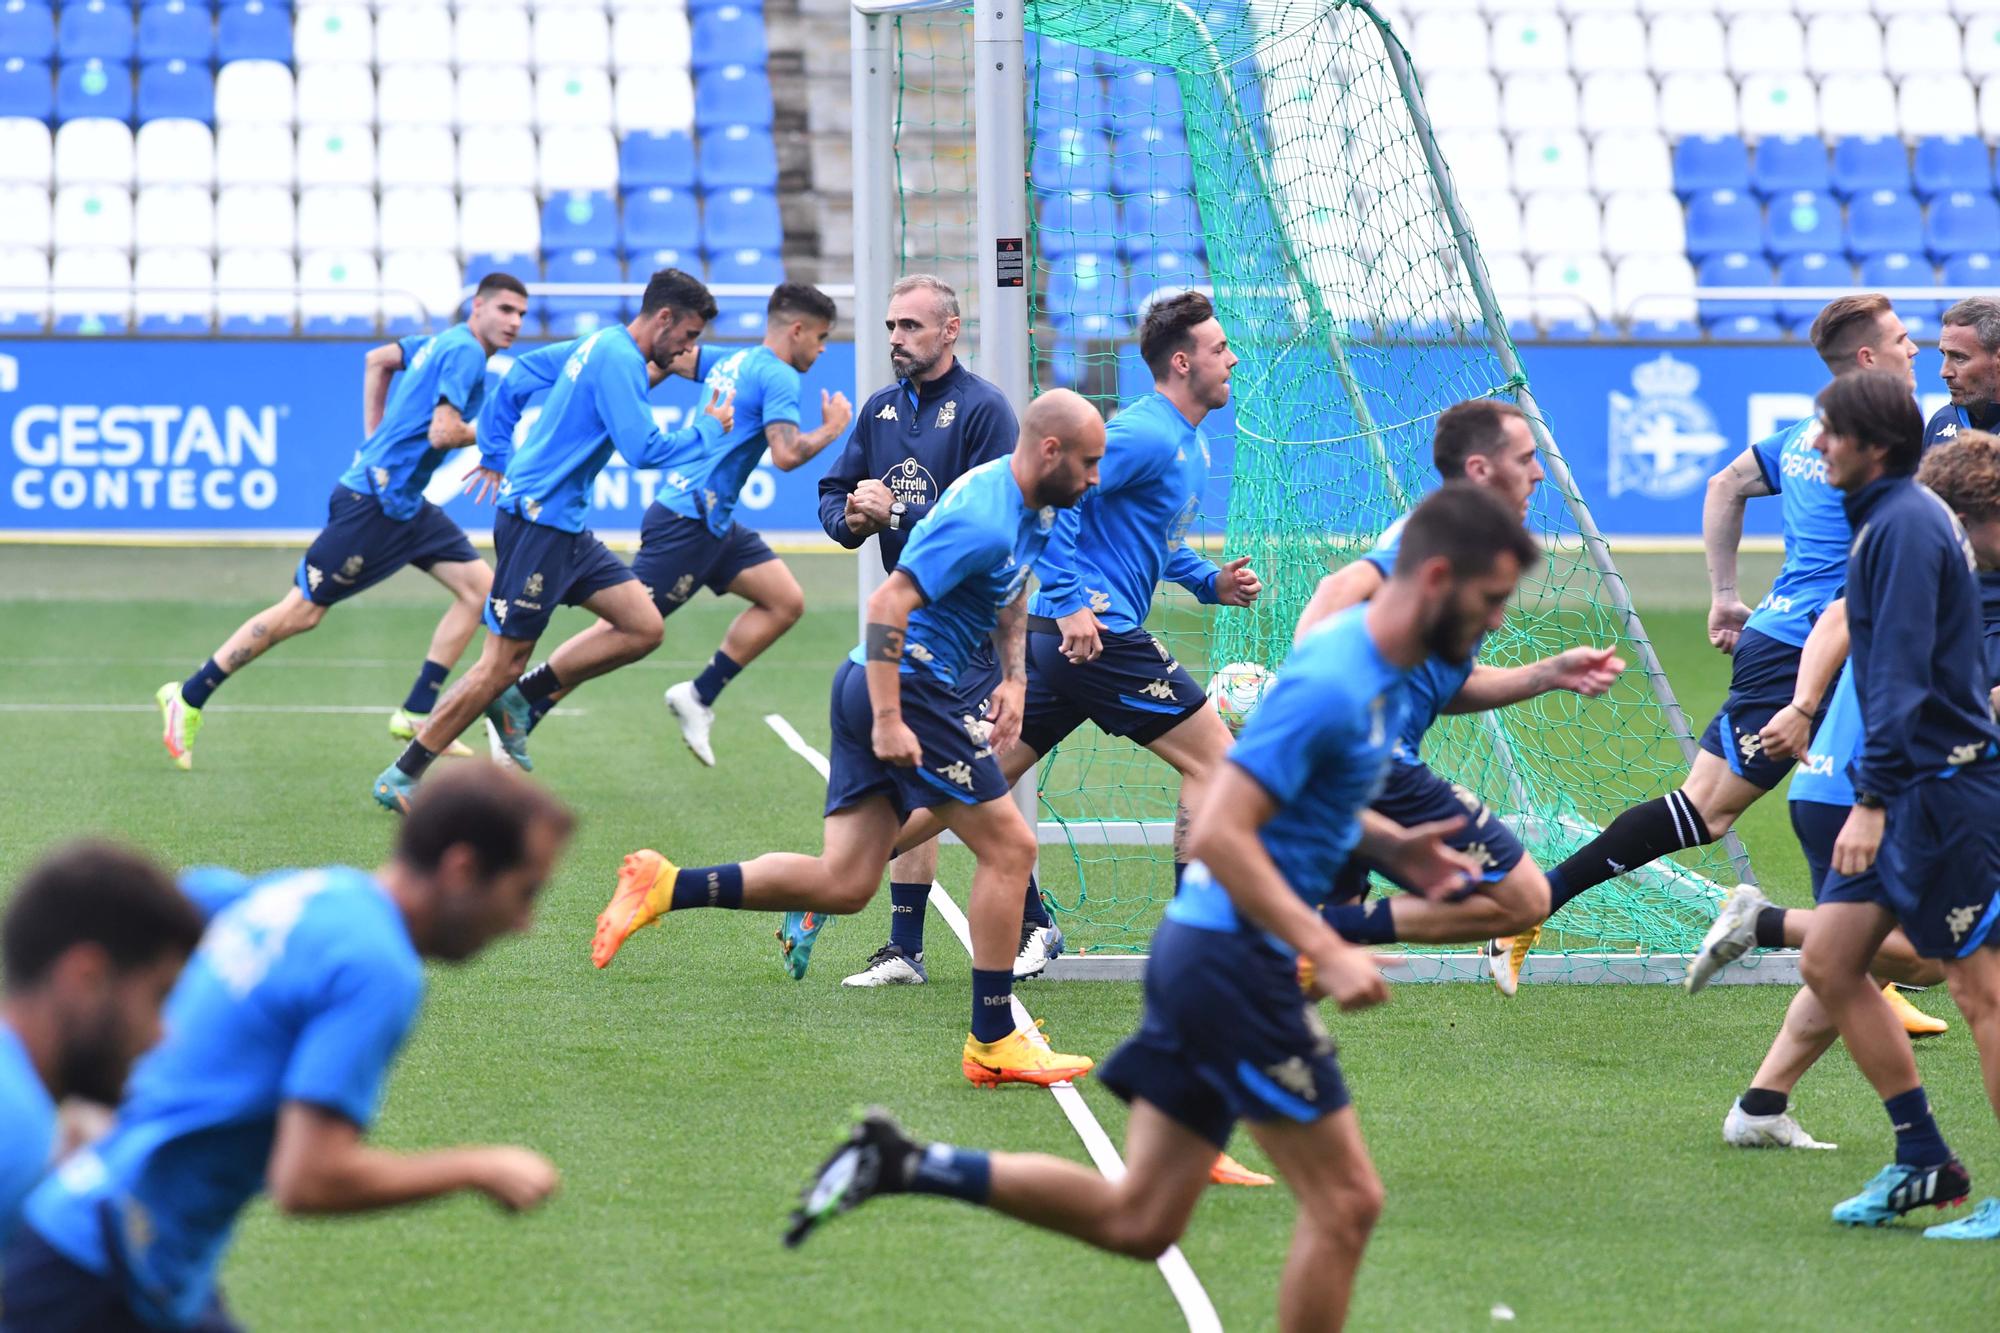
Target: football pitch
1558, 1155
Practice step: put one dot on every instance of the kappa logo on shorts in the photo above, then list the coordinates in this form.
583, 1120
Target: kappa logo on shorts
313, 576
682, 587
533, 587
947, 414
1158, 689
958, 771
1295, 1076
1961, 919
1479, 852
500, 609
1751, 744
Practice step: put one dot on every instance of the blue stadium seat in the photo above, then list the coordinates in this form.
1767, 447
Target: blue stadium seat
97, 324
572, 316
1897, 269
1162, 221
740, 220
1063, 97
1572, 330
1736, 268
179, 325
738, 155
1087, 296
1665, 330
1148, 94
1066, 157
695, 7
27, 30
580, 220
338, 326
176, 90
254, 31
176, 30
729, 35
1711, 162
1815, 269
1945, 164
1977, 269
749, 268
1884, 220
1722, 220
94, 88
1802, 222
1962, 222
256, 326
648, 158
1165, 271
404, 326
94, 28
739, 319
643, 264
1786, 164
732, 95
25, 89
1078, 221
660, 219
526, 267
1862, 166
1154, 159
1746, 328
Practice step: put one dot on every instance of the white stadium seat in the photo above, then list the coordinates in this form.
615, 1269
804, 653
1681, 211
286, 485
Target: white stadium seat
1843, 44
1686, 41
1766, 44
1495, 216
411, 34
24, 217
1669, 279
1532, 102
94, 151
416, 155
337, 217
256, 283
1443, 43
1982, 43
1551, 162
1779, 104
580, 97
1731, 8
1571, 286
572, 37
1862, 105
343, 284
495, 95
254, 155
416, 95
491, 37
1574, 9
419, 217
94, 216
1477, 158
1557, 222
1634, 160
1619, 101
176, 216
335, 94
253, 92
499, 222
432, 277
493, 157
333, 34
1693, 103
255, 217
1602, 42
175, 152
1529, 41
1644, 222
655, 35
91, 281
1989, 108
1921, 44
174, 282
24, 279
661, 99
27, 156
1513, 286
1926, 106
578, 159
336, 155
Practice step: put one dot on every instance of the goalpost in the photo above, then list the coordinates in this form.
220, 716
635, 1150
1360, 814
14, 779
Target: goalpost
1309, 196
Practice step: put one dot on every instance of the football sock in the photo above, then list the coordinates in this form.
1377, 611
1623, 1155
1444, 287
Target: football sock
1918, 1142
539, 709
709, 886
204, 682
907, 903
716, 675
1362, 923
954, 1173
1642, 834
1033, 910
538, 684
1180, 873
415, 759
1763, 1101
992, 1003
424, 694
1771, 928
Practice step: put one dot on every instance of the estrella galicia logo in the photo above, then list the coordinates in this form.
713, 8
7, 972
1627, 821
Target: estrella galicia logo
912, 483
1664, 442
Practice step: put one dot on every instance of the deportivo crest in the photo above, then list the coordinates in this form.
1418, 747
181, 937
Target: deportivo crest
958, 771
947, 414
888, 412
381, 476
532, 510
350, 569
1046, 516
682, 587
1664, 442
533, 587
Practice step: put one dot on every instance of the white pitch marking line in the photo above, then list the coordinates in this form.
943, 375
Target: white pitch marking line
320, 710
1187, 1290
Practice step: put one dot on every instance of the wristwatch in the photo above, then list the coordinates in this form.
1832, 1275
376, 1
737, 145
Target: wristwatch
1868, 800
896, 512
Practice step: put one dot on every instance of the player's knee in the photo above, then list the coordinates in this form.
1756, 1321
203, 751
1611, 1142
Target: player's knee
1347, 1210
850, 891
1143, 1237
307, 616
1529, 897
786, 605
644, 634
1016, 852
1825, 974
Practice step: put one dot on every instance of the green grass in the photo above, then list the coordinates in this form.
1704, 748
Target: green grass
1558, 1154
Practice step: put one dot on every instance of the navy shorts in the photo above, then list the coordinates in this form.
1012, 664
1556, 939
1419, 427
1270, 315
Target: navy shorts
360, 546
958, 763
1939, 867
1134, 688
1412, 794
1762, 676
1226, 1035
541, 568
678, 554
1817, 825
44, 1292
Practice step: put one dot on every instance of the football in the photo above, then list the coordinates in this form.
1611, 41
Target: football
1235, 691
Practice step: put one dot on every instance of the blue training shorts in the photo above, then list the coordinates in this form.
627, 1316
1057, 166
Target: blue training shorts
1938, 870
1134, 688
1817, 825
541, 568
45, 1292
360, 546
958, 764
1226, 1035
1762, 676
678, 554
1412, 794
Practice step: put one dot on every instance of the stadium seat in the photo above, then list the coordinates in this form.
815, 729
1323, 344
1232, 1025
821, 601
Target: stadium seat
1982, 40
576, 38
91, 291
1723, 220
94, 216
176, 30
24, 217
175, 216
419, 217
1557, 222
581, 220
568, 316
654, 98
748, 268
254, 155
1572, 288
1616, 100
1917, 44
525, 266
501, 37
1779, 104
1469, 101
1744, 328
577, 158
1927, 106
1163, 273
1883, 220
1058, 97
495, 95
25, 89
175, 152
336, 155
176, 90
1557, 161
649, 158
1478, 159
27, 156
1703, 163
418, 286
1784, 165
1803, 222
1063, 157
1446, 44
1857, 106
172, 292
660, 219
1952, 163
342, 296
93, 88
740, 219
27, 30
739, 156
643, 263
1897, 269
1077, 221
572, 97
650, 35
1843, 44
253, 92
1687, 43
1161, 221
496, 157
1698, 103
732, 95
1961, 222
1609, 41
1736, 269
499, 220
337, 217
1630, 161
24, 291
254, 31
1815, 268
1529, 41
416, 95
334, 34
255, 217
416, 155
1655, 289
1864, 165
254, 294
1643, 222
335, 94
1766, 44
729, 35
1143, 96
1495, 216
94, 152
1538, 103
739, 319
1086, 296
94, 29
411, 34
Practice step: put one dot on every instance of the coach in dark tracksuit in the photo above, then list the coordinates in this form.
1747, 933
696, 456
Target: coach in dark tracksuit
1921, 846
911, 441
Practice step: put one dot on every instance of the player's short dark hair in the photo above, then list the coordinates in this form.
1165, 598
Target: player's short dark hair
1981, 314
481, 806
1845, 326
1965, 473
1469, 526
1875, 409
1169, 328
500, 282
683, 293
800, 298
1476, 426
97, 893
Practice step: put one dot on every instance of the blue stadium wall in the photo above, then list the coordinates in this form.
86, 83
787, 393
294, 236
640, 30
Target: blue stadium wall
242, 440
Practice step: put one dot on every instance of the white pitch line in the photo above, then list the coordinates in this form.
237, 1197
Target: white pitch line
323, 710
1187, 1290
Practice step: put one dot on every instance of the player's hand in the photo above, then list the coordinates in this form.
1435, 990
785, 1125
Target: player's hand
1993, 701
1081, 630
871, 500
1421, 859
1348, 975
722, 407
1236, 584
1860, 839
1586, 671
482, 484
1004, 712
515, 1178
895, 743
1787, 734
1725, 622
683, 364
834, 410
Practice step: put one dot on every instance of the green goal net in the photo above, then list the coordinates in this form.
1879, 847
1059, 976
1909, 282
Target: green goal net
1266, 150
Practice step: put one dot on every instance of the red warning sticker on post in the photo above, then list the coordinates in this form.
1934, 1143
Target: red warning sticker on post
1010, 262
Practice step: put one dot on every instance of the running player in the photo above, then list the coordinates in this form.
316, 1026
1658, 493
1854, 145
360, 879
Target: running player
93, 940
907, 735
378, 519
1226, 1033
547, 557
280, 1035
1969, 343
1487, 443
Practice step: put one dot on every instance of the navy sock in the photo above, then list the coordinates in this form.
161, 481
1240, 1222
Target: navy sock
1641, 835
717, 674
204, 682
992, 1003
1763, 1101
1918, 1142
424, 694
1033, 910
954, 1173
538, 710
539, 684
415, 759
709, 886
906, 916
1180, 873
1771, 928
1362, 923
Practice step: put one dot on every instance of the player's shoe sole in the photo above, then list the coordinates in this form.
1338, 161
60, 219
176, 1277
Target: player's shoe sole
1897, 1190
1040, 946
180, 724
1982, 1223
1914, 1020
394, 789
1226, 1170
696, 719
508, 722
634, 903
852, 1174
403, 726
1732, 934
796, 937
1020, 1058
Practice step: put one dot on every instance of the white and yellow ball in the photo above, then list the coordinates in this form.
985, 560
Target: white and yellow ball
1235, 691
